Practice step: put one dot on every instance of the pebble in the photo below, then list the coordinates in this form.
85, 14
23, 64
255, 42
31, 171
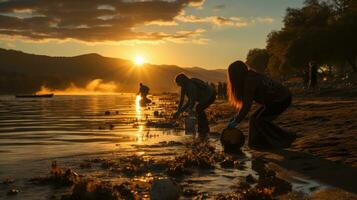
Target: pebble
164, 189
13, 192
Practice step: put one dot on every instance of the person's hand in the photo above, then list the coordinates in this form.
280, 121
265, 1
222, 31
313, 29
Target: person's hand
232, 123
176, 115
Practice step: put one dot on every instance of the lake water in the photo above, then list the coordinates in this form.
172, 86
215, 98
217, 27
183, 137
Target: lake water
70, 129
35, 129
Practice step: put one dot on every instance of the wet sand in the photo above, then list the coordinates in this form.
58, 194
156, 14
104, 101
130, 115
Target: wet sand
325, 150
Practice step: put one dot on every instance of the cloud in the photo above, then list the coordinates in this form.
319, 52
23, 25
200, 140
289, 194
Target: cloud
197, 4
90, 21
162, 23
265, 20
216, 20
219, 7
237, 22
188, 36
9, 45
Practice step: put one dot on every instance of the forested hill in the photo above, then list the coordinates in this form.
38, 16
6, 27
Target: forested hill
25, 73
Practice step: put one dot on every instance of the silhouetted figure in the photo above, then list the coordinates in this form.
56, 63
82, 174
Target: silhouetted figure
306, 77
313, 79
246, 86
220, 90
213, 86
224, 90
199, 92
143, 92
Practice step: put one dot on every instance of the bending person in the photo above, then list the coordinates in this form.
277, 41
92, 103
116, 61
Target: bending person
246, 86
197, 91
143, 91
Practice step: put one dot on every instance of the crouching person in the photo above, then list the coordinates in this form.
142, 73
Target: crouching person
246, 86
198, 92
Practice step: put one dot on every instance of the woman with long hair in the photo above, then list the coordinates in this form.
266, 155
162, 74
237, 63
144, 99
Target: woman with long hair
246, 86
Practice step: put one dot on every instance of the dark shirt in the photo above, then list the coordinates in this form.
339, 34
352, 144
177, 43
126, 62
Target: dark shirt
269, 91
196, 91
144, 89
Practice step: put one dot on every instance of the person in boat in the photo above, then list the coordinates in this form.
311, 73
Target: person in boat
247, 86
196, 91
143, 92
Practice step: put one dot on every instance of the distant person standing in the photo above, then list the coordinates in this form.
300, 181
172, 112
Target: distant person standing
199, 92
143, 91
224, 90
214, 87
313, 79
220, 90
306, 77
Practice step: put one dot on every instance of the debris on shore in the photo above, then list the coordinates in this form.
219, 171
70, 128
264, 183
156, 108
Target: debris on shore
92, 190
8, 181
198, 155
164, 189
13, 192
161, 124
57, 177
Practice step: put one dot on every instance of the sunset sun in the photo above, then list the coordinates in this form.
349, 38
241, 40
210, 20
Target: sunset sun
139, 60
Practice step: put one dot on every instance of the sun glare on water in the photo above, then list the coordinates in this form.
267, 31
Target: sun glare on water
139, 60
137, 106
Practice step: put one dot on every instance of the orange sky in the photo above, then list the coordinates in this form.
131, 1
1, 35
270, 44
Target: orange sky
204, 33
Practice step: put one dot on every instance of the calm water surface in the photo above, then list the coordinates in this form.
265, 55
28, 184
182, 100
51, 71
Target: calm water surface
33, 132
70, 129
35, 129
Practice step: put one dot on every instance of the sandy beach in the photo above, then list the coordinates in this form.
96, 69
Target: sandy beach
326, 147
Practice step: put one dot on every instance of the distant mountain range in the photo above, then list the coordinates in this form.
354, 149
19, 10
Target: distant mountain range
26, 73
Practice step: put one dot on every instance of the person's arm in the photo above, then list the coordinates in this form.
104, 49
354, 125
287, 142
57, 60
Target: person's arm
182, 99
247, 104
180, 108
184, 107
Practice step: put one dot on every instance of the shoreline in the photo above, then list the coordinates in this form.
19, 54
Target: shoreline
324, 150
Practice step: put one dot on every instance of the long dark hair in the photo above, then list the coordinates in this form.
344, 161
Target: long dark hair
236, 75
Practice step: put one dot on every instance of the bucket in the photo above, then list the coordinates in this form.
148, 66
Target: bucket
190, 125
232, 139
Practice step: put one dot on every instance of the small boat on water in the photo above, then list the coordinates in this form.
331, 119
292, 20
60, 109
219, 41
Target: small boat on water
34, 95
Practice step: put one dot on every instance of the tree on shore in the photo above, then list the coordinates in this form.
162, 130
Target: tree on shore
323, 31
258, 59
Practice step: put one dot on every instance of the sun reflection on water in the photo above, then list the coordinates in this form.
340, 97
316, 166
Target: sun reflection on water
139, 134
137, 107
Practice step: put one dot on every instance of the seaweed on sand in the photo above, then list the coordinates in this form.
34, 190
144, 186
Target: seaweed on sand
12, 191
268, 186
58, 177
250, 194
201, 155
93, 190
